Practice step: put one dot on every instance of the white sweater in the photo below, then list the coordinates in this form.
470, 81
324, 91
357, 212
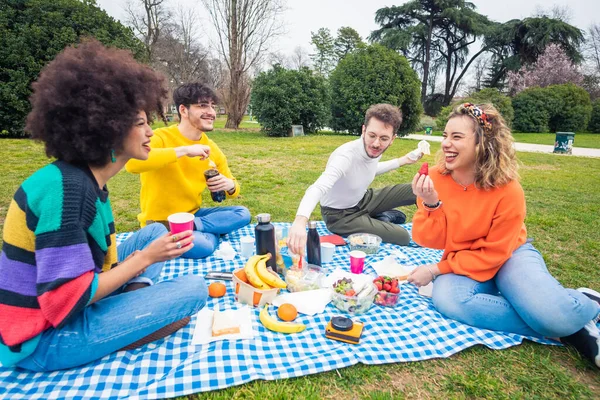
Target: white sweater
348, 174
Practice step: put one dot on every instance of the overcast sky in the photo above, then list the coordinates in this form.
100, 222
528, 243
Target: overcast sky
304, 16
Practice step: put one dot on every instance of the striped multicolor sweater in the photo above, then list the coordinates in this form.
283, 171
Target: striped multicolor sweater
58, 234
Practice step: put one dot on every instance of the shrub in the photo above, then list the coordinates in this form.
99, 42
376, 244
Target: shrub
502, 103
32, 33
571, 109
426, 121
281, 98
373, 75
532, 110
594, 125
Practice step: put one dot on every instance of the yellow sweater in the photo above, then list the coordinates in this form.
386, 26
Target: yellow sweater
171, 184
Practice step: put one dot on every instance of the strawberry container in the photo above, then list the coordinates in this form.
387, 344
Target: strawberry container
386, 299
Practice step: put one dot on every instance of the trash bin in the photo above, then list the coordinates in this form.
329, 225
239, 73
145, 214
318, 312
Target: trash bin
564, 142
428, 130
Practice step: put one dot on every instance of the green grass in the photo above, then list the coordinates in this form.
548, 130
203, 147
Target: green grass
563, 205
585, 140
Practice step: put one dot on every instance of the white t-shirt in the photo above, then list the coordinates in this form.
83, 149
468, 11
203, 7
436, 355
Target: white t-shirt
348, 174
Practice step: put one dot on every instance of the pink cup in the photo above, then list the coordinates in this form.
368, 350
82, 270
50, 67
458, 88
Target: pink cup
357, 261
180, 222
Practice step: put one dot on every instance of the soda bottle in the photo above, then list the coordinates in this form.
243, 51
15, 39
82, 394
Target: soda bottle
264, 232
218, 196
313, 245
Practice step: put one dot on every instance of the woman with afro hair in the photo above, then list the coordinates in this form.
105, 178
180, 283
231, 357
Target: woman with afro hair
68, 294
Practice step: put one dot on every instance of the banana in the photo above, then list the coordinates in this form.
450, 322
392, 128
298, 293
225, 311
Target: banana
266, 276
278, 326
253, 278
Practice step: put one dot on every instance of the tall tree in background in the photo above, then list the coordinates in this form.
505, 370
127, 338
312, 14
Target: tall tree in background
592, 47
424, 30
244, 29
147, 18
519, 42
323, 58
347, 41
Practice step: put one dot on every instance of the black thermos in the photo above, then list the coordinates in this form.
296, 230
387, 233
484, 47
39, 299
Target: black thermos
264, 232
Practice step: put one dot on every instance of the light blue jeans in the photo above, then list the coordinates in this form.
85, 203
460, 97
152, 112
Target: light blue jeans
522, 298
212, 222
121, 318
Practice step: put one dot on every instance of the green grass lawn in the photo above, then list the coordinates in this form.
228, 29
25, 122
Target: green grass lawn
586, 140
563, 208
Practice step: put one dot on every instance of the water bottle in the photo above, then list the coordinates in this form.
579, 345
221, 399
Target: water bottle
218, 196
313, 245
264, 232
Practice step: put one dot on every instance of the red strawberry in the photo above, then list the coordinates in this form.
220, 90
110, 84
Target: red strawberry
379, 285
395, 290
394, 282
424, 170
387, 287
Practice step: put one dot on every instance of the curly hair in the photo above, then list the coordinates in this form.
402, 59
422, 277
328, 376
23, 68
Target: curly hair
87, 99
386, 113
495, 157
192, 93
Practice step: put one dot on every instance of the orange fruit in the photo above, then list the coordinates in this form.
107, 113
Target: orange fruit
287, 312
217, 289
241, 275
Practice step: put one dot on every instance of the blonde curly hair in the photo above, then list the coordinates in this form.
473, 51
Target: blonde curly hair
495, 157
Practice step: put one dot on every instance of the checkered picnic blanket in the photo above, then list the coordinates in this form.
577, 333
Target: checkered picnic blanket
171, 367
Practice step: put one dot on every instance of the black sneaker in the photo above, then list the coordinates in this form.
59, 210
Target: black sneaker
586, 341
393, 216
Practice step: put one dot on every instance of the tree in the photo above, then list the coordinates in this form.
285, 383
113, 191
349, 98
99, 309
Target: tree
552, 67
519, 42
299, 58
324, 56
424, 30
244, 29
33, 32
347, 41
147, 19
373, 75
592, 48
283, 97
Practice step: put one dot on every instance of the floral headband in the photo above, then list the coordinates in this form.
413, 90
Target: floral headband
479, 115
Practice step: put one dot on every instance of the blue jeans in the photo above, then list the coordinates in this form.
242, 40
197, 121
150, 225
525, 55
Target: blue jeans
121, 318
212, 222
522, 298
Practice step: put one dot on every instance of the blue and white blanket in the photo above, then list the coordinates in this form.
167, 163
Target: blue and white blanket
171, 367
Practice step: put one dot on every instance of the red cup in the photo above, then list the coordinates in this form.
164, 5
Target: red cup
180, 222
357, 261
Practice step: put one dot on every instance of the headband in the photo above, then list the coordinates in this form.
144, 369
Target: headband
478, 114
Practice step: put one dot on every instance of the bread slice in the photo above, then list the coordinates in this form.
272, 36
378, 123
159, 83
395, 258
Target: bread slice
224, 323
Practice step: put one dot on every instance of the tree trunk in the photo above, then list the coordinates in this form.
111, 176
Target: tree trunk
427, 59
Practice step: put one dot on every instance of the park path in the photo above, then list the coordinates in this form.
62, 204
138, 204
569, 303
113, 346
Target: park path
529, 147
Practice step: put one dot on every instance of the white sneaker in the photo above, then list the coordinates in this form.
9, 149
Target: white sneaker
586, 341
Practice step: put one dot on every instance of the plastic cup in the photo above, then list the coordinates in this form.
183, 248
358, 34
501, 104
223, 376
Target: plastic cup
246, 246
327, 250
180, 222
357, 261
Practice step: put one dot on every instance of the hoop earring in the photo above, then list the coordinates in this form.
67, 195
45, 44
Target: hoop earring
113, 158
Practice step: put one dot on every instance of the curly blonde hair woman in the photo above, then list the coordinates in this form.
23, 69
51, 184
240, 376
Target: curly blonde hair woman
490, 276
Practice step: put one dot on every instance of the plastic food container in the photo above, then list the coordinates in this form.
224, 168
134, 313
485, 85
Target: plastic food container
248, 294
387, 299
364, 242
307, 278
354, 304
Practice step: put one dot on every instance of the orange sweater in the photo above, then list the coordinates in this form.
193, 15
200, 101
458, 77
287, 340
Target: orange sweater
477, 229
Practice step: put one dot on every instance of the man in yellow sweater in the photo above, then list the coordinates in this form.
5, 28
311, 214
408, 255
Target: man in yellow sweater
173, 175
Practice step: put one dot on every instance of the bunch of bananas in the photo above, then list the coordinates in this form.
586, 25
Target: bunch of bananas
276, 325
259, 276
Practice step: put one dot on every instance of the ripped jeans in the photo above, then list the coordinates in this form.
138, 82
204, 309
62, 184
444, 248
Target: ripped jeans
522, 298
120, 318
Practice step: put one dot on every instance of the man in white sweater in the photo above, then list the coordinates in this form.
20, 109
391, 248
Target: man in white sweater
347, 205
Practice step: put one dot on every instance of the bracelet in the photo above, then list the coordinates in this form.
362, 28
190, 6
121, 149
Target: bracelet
433, 276
432, 206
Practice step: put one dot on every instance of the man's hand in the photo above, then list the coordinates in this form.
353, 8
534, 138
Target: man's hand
220, 182
422, 186
423, 275
194, 150
297, 236
406, 160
